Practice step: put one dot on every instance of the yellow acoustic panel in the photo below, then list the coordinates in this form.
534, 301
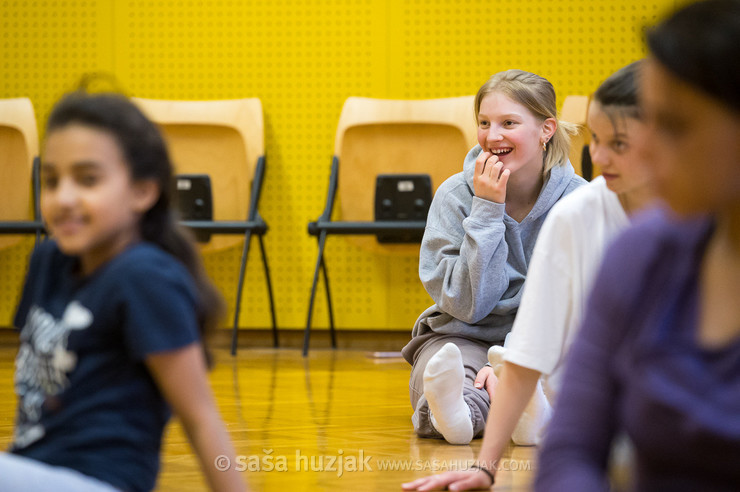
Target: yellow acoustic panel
45, 46
303, 58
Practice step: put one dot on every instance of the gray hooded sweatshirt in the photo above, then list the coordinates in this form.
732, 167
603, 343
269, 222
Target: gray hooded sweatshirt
474, 257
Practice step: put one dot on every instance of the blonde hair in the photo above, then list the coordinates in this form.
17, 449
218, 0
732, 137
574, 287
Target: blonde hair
537, 95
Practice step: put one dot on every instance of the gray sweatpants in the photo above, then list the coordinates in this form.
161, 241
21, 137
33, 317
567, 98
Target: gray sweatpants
474, 356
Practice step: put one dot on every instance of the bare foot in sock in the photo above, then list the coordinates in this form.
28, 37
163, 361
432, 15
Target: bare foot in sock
496, 358
443, 389
536, 414
534, 419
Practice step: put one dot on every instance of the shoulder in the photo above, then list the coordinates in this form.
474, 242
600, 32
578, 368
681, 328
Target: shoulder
147, 264
649, 249
48, 259
157, 300
638, 271
574, 182
581, 201
47, 251
560, 181
452, 185
579, 228
658, 233
46, 248
452, 193
146, 257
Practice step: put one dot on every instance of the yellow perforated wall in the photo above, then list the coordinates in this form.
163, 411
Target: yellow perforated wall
302, 58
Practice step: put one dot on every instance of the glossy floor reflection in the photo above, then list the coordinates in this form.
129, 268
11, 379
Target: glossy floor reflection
336, 421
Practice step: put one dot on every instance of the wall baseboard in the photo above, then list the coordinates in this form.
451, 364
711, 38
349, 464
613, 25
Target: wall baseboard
375, 340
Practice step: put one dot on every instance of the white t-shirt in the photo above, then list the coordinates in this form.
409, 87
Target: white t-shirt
565, 261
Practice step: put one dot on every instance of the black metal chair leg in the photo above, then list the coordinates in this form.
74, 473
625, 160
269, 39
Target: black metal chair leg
319, 261
36, 187
328, 304
275, 342
240, 285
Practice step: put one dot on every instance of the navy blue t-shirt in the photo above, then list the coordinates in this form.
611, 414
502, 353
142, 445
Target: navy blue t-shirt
86, 399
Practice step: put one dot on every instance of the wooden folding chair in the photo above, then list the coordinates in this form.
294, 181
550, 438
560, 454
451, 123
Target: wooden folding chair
224, 139
19, 149
380, 136
575, 110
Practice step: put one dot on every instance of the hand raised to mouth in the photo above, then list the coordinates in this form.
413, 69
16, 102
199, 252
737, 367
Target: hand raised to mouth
489, 181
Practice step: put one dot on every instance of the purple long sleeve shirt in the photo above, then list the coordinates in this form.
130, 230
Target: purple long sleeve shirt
636, 367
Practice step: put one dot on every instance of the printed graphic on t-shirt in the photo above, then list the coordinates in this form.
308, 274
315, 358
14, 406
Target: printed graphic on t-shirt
42, 365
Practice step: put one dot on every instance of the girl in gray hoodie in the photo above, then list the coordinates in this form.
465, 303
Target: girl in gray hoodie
480, 233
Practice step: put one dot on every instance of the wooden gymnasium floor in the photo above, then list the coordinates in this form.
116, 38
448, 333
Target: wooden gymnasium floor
308, 414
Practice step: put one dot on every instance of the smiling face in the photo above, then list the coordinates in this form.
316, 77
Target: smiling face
89, 202
510, 131
614, 148
692, 142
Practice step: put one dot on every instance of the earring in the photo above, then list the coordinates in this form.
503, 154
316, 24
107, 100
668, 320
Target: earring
544, 146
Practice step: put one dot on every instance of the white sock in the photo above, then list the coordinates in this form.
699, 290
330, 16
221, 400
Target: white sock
536, 414
496, 358
443, 389
533, 421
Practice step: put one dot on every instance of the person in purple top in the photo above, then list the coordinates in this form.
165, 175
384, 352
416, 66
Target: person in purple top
658, 357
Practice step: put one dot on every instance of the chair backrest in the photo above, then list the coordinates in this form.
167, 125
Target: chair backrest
381, 136
19, 144
223, 139
575, 110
